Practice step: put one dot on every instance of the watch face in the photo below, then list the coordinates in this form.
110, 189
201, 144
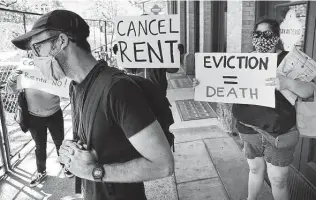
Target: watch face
97, 173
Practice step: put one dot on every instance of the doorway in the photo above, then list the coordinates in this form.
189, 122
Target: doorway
307, 164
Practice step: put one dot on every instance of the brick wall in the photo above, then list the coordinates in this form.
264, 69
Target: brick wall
248, 21
240, 22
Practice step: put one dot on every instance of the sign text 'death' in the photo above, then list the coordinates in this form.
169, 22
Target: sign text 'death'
235, 78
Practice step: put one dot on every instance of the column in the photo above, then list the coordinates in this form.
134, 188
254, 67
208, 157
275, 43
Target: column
205, 26
189, 64
182, 12
234, 26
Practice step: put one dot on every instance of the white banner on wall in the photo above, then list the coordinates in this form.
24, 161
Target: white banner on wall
291, 30
235, 78
149, 41
32, 78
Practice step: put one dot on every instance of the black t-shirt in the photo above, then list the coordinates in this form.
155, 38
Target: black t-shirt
247, 130
121, 114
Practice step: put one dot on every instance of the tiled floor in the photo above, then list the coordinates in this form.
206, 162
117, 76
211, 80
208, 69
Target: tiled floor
194, 110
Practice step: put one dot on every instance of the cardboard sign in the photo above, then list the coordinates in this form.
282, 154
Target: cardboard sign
148, 41
298, 66
33, 78
235, 78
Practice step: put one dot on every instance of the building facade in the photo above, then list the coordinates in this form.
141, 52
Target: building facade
227, 26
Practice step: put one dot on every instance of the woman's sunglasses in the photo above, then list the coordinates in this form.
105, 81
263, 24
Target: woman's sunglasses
265, 34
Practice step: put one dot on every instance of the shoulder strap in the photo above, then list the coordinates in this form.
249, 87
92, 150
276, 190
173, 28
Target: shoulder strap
101, 85
74, 112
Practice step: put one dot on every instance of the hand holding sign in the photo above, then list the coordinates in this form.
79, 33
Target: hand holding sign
14, 75
195, 82
33, 78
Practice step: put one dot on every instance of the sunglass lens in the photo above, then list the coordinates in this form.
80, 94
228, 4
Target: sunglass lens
256, 34
267, 34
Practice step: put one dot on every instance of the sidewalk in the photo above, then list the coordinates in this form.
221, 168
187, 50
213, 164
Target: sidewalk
208, 163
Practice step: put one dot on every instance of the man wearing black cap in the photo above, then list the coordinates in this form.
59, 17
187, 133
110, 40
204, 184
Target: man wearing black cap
128, 145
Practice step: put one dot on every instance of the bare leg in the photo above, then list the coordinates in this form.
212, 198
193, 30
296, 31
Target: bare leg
256, 177
278, 178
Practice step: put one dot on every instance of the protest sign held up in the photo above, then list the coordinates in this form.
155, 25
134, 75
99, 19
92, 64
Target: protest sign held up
149, 41
32, 78
235, 78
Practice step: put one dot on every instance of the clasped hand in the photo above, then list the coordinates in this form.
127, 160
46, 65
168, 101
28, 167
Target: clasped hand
77, 159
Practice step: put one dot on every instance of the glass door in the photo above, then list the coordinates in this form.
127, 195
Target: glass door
308, 154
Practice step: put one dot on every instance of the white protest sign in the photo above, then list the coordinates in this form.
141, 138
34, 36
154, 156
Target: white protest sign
291, 30
32, 78
149, 41
298, 66
235, 78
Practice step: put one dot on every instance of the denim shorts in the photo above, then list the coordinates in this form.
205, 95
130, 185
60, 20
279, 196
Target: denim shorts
255, 145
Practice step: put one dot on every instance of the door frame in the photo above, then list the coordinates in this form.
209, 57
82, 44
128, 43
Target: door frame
307, 49
306, 168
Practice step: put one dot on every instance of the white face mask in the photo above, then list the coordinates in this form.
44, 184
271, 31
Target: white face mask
49, 67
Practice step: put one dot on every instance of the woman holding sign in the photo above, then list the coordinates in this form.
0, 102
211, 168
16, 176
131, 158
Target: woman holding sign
269, 135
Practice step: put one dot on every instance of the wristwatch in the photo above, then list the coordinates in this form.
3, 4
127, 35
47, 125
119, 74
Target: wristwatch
98, 172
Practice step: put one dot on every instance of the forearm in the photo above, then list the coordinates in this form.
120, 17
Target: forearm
302, 89
137, 170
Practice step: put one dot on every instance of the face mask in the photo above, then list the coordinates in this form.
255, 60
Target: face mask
263, 45
49, 67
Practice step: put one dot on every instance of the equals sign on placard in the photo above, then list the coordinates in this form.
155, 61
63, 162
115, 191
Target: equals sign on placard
230, 80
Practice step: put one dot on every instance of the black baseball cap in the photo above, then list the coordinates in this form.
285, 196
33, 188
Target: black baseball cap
61, 20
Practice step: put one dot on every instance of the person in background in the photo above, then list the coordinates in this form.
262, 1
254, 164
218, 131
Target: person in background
44, 114
158, 76
257, 149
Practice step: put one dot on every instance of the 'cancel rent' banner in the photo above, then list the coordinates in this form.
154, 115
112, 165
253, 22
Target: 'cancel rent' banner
149, 41
235, 78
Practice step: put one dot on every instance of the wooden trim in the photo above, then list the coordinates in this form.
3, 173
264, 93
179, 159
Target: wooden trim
310, 31
290, 4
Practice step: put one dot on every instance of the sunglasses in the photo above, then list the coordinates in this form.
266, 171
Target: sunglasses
265, 34
36, 47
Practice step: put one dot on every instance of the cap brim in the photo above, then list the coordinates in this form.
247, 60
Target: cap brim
22, 42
